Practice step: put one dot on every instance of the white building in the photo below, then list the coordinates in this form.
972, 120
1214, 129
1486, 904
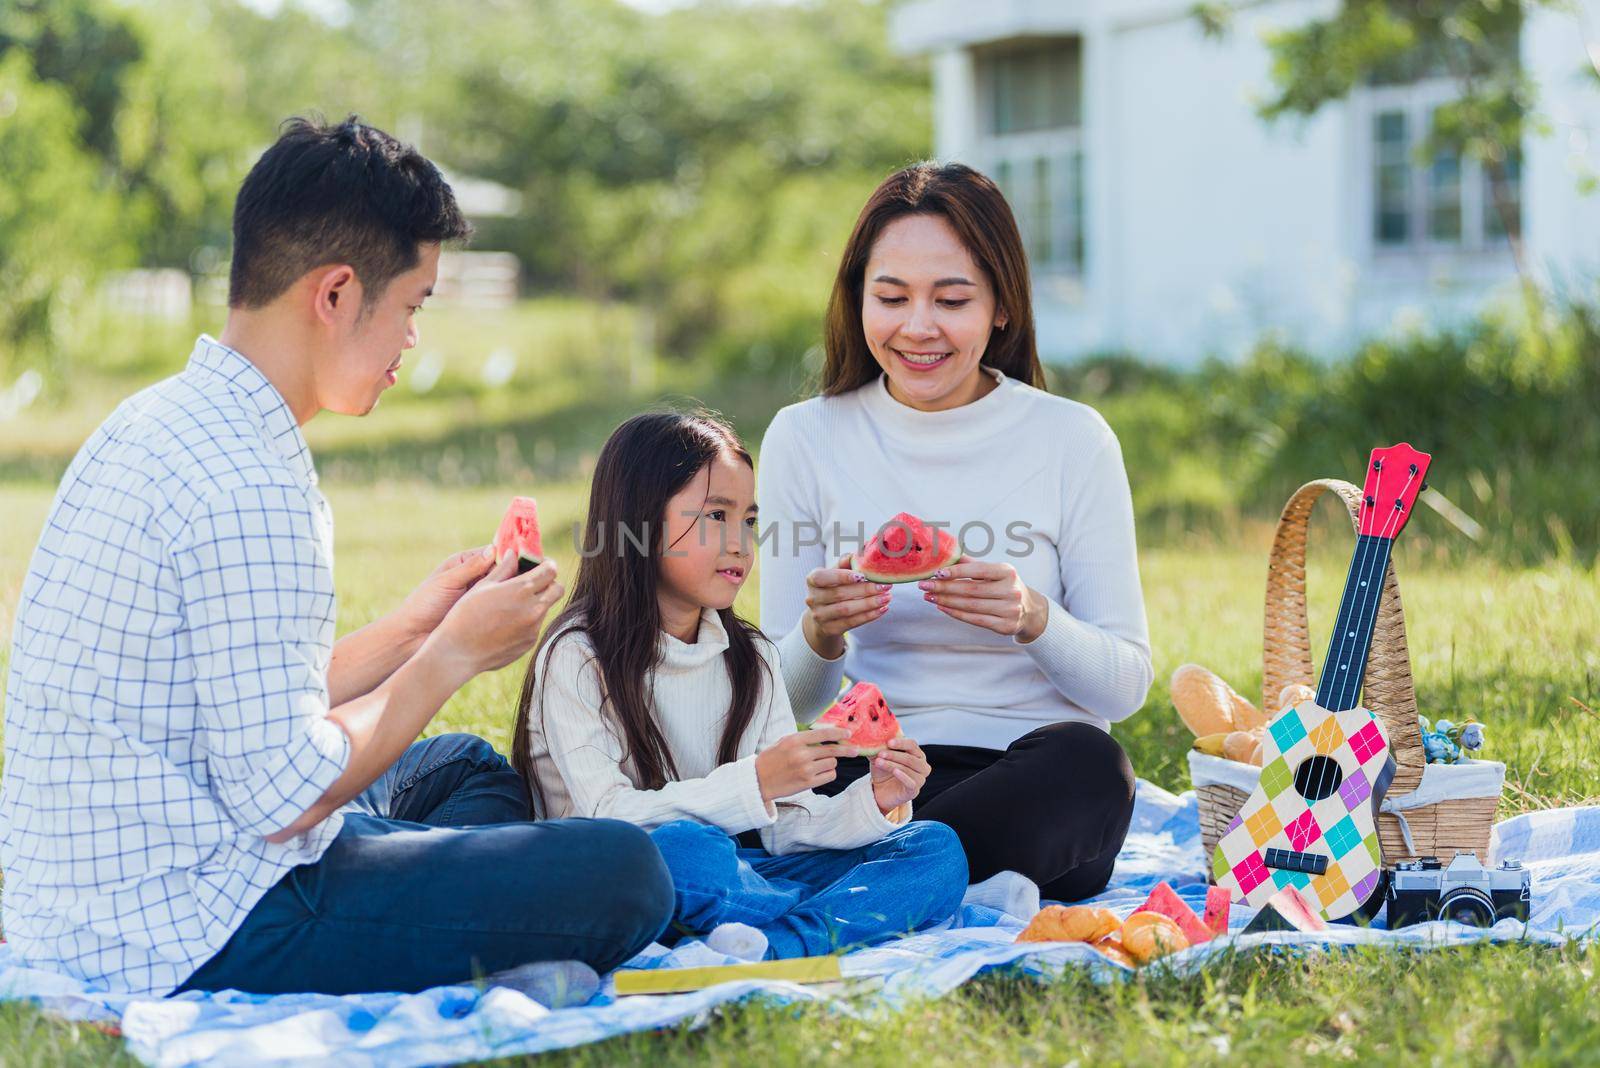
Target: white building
1164, 217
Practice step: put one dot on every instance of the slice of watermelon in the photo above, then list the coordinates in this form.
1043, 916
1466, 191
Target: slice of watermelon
1287, 910
519, 533
906, 550
1165, 900
1218, 902
864, 713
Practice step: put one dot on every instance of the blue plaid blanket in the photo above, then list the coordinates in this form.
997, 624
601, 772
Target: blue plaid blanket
1561, 848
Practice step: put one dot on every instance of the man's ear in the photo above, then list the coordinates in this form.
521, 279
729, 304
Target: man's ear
337, 294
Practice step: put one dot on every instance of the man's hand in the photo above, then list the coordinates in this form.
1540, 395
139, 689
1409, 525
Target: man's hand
498, 619
427, 605
801, 761
898, 772
490, 625
364, 659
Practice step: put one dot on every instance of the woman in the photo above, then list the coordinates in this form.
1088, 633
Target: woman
1010, 665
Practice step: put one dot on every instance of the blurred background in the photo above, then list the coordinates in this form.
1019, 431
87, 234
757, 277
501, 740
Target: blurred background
1266, 236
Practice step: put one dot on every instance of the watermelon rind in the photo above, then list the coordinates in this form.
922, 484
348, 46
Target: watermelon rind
917, 576
864, 750
874, 750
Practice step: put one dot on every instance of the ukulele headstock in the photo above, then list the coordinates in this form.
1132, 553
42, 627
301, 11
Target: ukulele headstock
1395, 478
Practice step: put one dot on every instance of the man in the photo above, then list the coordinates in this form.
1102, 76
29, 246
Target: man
201, 789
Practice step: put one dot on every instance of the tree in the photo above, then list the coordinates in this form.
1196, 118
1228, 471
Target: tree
666, 159
123, 147
57, 219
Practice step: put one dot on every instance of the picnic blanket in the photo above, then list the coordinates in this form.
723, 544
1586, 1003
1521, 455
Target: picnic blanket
1561, 847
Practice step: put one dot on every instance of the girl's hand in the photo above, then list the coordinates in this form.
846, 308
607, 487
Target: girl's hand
988, 595
839, 600
802, 761
898, 773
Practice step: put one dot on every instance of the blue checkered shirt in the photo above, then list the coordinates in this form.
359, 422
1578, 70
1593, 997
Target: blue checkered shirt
167, 701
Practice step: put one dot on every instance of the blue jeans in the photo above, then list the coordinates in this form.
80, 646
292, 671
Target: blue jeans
438, 877
809, 904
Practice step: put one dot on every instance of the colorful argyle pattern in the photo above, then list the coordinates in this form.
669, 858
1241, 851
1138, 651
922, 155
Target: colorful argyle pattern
1339, 826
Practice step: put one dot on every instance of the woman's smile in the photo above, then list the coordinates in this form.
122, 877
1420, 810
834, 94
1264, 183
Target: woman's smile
921, 361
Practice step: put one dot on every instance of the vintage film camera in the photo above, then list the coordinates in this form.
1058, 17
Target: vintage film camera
1464, 891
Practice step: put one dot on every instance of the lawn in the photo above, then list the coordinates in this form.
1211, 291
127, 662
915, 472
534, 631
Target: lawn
1514, 647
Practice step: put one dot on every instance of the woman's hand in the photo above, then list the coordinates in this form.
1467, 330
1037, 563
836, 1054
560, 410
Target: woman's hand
801, 761
988, 595
898, 772
839, 600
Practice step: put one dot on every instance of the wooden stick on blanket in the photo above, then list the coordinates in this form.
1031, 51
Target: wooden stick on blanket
678, 980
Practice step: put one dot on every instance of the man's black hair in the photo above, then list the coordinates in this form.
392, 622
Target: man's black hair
345, 193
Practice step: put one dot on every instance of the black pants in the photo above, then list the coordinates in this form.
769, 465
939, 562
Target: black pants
1055, 806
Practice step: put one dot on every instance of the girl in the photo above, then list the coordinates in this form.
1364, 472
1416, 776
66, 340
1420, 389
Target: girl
650, 700
1014, 662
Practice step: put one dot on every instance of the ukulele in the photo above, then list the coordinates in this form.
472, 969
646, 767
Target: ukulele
1312, 821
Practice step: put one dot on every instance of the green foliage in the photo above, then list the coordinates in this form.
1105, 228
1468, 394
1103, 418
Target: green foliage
160, 116
57, 219
705, 163
122, 137
1507, 404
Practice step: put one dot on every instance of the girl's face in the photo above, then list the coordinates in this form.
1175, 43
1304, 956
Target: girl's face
710, 526
927, 311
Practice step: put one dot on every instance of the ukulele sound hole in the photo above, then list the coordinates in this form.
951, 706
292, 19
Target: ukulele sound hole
1318, 777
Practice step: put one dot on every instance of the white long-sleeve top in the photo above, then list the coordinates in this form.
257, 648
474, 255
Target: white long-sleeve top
1044, 474
579, 756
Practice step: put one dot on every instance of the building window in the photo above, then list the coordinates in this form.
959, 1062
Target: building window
1031, 144
1446, 202
1391, 153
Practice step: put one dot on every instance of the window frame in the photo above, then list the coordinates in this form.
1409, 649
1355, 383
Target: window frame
1417, 102
1014, 153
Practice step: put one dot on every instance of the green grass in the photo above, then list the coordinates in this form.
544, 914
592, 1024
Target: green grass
1513, 646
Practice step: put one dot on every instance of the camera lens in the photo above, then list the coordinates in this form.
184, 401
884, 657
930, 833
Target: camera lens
1467, 905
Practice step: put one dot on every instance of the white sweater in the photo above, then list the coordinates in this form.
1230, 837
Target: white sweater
578, 751
843, 466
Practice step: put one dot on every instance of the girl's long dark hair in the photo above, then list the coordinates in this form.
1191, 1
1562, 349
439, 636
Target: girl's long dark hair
646, 461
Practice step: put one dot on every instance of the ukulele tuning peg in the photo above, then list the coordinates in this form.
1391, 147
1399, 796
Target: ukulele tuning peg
1413, 469
1377, 465
1424, 487
1370, 502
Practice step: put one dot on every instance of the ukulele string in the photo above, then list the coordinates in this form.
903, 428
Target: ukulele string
1378, 563
1347, 641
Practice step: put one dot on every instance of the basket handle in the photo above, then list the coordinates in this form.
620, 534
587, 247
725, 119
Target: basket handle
1388, 691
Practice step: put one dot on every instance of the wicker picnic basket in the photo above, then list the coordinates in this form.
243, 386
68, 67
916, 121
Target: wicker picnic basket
1430, 809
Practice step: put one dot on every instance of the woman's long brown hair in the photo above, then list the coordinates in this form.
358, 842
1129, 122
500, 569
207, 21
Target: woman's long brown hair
646, 461
977, 211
